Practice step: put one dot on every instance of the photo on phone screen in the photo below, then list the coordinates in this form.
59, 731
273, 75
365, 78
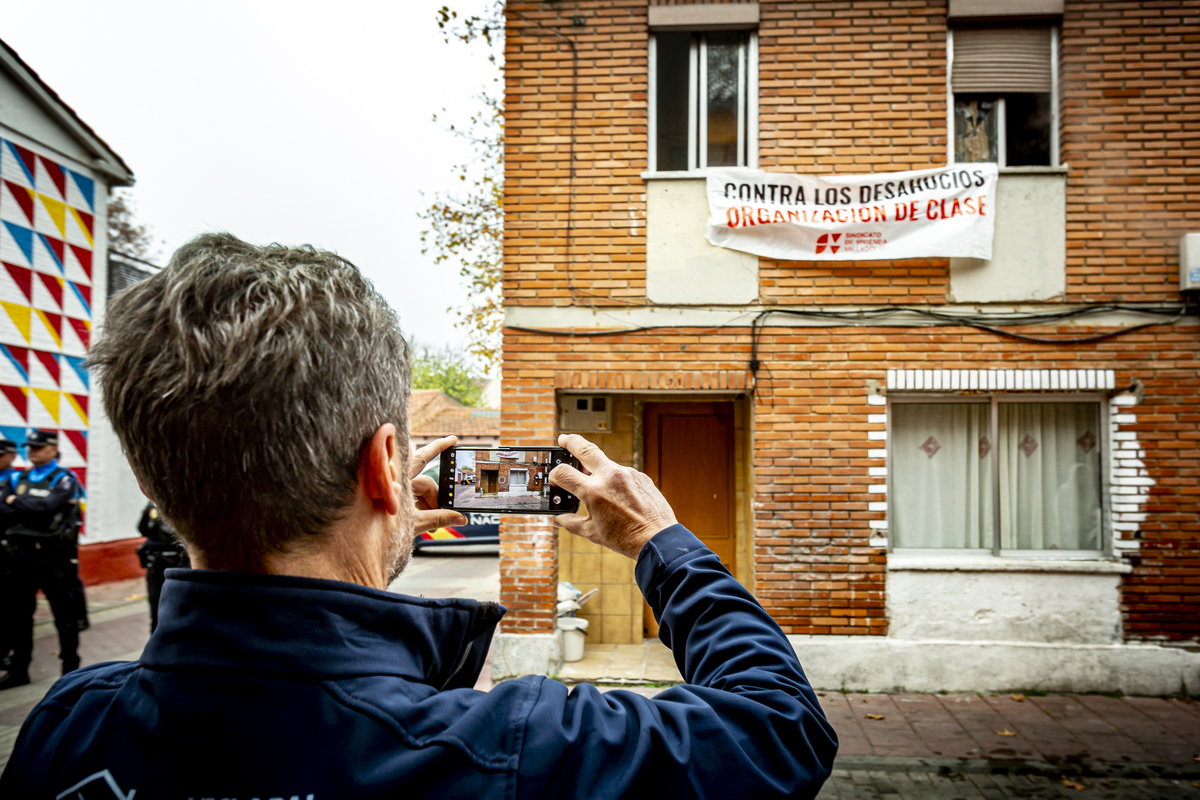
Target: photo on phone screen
514, 480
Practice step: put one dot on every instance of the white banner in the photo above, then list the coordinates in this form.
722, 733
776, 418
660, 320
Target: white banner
949, 211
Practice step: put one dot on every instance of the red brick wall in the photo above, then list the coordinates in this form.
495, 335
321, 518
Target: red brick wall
852, 88
608, 243
811, 449
528, 549
1131, 133
849, 88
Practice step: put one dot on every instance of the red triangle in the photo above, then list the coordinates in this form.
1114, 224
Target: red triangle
26, 156
55, 321
78, 439
55, 288
24, 200
22, 277
80, 472
50, 362
55, 244
57, 175
82, 399
17, 397
86, 291
85, 258
88, 222
81, 330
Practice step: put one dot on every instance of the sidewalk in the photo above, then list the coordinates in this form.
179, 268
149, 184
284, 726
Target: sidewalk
1057, 729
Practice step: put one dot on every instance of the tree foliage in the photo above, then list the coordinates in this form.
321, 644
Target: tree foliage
446, 369
125, 235
466, 227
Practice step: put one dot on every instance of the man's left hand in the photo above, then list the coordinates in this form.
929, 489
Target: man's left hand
425, 490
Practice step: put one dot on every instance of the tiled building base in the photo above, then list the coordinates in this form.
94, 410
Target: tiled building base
649, 662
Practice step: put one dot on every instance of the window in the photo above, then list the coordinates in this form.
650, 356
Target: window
964, 468
1005, 86
703, 100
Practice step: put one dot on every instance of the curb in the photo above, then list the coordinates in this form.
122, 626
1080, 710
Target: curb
962, 766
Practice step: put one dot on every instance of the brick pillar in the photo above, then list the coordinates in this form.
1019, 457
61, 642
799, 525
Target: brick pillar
528, 545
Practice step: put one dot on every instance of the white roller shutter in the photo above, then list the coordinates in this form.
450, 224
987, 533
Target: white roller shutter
997, 60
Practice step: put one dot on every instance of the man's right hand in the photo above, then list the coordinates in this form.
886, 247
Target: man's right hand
625, 508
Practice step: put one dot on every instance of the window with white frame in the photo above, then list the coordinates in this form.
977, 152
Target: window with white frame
703, 100
1005, 86
964, 468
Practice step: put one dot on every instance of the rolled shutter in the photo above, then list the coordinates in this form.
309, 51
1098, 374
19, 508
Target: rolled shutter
990, 60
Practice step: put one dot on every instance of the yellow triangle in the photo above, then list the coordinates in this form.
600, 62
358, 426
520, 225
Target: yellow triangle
75, 405
57, 210
42, 316
49, 398
20, 317
82, 227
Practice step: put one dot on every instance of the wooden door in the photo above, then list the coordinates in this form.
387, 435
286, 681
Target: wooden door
689, 454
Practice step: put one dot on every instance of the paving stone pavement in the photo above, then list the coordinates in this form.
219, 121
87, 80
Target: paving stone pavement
1054, 729
868, 784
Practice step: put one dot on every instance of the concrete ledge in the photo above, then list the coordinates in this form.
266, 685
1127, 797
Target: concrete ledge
883, 664
897, 562
515, 655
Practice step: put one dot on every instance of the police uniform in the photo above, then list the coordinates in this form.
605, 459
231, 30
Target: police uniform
6, 605
160, 552
43, 540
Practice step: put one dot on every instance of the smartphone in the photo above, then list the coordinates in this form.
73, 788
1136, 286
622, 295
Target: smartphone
506, 480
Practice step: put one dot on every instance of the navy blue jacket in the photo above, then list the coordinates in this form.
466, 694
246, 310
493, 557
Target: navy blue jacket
264, 687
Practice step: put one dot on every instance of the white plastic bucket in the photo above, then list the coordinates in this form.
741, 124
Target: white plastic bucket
573, 629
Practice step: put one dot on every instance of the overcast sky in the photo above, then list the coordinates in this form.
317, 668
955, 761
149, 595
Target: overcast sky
296, 122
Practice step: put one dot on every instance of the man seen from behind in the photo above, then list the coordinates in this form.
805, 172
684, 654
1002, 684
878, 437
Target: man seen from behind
282, 667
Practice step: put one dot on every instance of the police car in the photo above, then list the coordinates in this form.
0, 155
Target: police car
480, 528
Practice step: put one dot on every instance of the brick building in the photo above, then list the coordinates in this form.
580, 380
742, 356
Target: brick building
510, 473
934, 473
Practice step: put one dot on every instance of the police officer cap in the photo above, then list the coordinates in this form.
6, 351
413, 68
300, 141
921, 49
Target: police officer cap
7, 446
37, 438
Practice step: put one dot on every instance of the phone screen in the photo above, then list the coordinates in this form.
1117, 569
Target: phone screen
511, 480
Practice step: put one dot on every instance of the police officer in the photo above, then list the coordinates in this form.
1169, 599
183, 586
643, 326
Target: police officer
8, 454
43, 502
160, 552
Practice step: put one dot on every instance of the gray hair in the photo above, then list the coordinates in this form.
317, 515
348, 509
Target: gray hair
244, 383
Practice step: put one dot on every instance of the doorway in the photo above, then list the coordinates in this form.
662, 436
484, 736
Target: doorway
689, 454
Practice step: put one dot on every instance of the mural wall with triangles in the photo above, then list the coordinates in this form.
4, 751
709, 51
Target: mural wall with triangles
47, 230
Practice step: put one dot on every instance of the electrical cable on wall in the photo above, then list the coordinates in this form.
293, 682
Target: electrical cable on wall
539, 28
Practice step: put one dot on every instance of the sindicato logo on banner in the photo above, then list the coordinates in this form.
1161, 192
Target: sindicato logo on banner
944, 212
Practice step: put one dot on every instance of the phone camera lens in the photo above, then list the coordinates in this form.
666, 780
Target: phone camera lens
557, 500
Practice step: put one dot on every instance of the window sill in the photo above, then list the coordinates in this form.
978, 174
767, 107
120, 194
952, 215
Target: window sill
701, 174
1097, 565
1060, 170
676, 175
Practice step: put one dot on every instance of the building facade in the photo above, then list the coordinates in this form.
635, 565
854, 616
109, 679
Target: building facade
934, 473
55, 177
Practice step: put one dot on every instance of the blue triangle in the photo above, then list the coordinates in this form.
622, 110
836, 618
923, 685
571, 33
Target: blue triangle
80, 367
24, 239
20, 367
14, 433
87, 188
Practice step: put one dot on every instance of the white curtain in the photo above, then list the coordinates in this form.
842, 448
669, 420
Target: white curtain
941, 475
1050, 476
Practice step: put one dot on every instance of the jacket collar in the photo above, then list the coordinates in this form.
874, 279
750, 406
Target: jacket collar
302, 628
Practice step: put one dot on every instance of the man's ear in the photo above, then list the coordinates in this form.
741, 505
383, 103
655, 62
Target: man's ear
380, 472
